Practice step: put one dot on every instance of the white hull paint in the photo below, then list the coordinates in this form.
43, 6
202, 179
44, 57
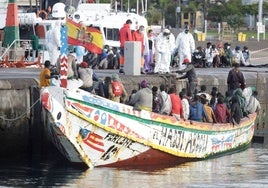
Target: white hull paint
105, 133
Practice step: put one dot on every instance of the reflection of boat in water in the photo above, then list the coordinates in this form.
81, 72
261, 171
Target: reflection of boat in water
99, 132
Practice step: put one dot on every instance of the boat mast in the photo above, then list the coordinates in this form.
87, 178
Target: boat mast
11, 30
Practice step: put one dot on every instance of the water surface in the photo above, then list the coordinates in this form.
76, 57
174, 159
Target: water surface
248, 168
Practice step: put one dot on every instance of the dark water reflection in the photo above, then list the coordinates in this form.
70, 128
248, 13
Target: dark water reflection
248, 168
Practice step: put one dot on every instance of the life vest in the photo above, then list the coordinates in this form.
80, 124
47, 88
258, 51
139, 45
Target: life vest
117, 88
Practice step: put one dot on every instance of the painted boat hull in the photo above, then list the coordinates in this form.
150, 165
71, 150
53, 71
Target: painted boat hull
98, 132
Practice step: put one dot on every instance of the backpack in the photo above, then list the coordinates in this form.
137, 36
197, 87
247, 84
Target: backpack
117, 88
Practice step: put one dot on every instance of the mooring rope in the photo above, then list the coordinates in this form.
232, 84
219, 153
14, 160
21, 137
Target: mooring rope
22, 115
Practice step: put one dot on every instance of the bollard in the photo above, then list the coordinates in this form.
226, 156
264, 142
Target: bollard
132, 53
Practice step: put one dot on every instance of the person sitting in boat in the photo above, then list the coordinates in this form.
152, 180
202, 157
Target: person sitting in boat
208, 109
222, 113
45, 75
197, 110
253, 104
86, 75
213, 99
241, 100
176, 110
247, 93
185, 105
203, 90
236, 112
117, 91
165, 104
131, 97
104, 87
143, 98
156, 99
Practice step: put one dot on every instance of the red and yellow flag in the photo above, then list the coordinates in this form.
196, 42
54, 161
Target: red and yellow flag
88, 37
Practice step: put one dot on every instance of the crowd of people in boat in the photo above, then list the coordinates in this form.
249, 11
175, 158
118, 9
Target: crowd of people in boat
201, 106
188, 104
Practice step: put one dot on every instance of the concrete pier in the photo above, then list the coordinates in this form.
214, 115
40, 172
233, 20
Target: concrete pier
16, 114
20, 125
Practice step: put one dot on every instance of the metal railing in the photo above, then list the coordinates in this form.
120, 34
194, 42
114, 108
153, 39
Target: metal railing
16, 49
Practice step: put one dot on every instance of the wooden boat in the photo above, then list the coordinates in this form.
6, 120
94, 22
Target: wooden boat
98, 132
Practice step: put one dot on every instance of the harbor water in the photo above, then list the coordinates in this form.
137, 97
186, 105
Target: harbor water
248, 168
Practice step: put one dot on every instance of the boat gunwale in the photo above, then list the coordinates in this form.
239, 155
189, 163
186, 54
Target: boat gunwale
153, 145
185, 125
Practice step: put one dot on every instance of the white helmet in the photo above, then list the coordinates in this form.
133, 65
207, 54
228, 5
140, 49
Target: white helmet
58, 10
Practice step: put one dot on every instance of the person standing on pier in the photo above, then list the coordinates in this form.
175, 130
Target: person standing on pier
165, 45
149, 54
139, 36
186, 46
124, 35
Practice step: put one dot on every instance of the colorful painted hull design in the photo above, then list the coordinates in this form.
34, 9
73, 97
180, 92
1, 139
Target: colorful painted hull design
99, 132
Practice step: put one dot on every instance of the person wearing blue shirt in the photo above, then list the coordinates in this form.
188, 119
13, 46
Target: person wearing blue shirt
197, 110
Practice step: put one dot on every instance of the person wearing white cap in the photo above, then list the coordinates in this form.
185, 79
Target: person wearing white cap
186, 46
164, 47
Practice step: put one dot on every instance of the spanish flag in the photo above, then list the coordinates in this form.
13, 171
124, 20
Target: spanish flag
88, 37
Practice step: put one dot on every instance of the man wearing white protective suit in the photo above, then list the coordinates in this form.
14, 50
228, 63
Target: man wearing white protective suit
186, 46
165, 45
53, 42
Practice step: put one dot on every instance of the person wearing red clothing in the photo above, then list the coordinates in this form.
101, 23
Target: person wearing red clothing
124, 35
222, 113
176, 109
138, 35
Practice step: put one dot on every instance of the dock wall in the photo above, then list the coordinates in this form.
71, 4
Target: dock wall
16, 114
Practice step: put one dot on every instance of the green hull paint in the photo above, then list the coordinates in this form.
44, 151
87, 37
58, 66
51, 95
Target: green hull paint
156, 123
240, 148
